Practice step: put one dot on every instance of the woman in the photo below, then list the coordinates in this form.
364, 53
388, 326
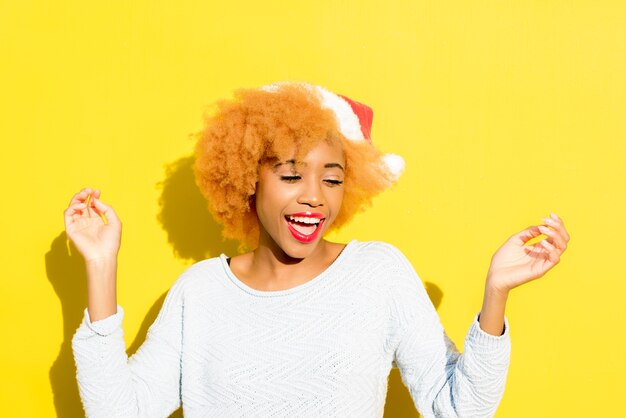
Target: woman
300, 326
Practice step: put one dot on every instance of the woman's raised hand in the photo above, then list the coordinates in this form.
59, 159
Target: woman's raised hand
516, 263
94, 238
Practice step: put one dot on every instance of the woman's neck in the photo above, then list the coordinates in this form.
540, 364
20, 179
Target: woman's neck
268, 268
271, 262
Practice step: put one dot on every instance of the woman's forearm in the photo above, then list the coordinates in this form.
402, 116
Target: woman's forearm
101, 288
492, 313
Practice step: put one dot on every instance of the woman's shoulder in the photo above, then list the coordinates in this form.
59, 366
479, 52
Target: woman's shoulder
385, 264
377, 255
206, 264
200, 273
377, 250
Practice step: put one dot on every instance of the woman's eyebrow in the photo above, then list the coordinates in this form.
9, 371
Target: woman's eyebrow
334, 165
293, 162
278, 164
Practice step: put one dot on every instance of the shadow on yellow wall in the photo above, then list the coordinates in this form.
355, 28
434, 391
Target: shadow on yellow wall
66, 273
194, 236
191, 230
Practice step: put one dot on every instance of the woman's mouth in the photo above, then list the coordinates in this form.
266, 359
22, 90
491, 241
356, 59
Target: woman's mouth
305, 226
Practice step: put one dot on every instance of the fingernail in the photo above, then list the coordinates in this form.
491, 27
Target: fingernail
548, 221
553, 216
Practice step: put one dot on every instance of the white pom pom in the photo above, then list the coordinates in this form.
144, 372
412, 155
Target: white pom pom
395, 164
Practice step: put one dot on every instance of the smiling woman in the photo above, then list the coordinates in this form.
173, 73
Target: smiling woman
296, 202
276, 124
305, 196
299, 326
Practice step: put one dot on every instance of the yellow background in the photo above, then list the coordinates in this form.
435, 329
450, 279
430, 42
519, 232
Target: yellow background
503, 112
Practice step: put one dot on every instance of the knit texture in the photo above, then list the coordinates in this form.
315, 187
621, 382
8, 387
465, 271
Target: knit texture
321, 349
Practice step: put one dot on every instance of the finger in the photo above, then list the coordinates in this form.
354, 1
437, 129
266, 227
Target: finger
72, 210
90, 199
77, 197
562, 234
526, 235
81, 196
96, 194
557, 224
556, 218
535, 249
555, 238
559, 221
73, 214
553, 253
105, 210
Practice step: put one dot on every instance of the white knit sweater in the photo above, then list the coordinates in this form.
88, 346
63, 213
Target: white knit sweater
321, 349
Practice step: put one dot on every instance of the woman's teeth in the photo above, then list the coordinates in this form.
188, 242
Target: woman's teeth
302, 219
303, 224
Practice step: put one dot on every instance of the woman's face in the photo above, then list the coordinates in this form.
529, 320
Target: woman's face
297, 201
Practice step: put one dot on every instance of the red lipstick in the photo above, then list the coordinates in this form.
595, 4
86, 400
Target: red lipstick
304, 238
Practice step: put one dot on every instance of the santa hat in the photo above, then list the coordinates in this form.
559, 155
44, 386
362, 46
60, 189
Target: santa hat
354, 120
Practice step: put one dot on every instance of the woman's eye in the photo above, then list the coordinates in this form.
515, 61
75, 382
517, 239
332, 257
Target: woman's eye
334, 182
290, 179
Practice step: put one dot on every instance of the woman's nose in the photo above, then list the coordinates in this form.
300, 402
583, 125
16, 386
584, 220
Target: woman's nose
311, 194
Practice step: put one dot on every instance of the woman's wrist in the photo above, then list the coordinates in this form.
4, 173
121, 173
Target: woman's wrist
101, 259
102, 287
491, 317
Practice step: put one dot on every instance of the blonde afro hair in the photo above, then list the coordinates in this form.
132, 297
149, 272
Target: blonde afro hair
260, 125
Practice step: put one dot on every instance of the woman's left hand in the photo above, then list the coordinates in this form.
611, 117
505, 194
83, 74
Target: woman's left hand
516, 263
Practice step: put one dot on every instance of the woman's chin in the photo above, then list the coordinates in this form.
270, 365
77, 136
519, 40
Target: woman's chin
296, 249
292, 245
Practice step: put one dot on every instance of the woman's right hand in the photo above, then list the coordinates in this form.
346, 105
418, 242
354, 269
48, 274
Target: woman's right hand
94, 239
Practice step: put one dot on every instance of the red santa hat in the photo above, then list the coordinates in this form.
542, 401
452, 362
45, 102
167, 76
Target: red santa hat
354, 120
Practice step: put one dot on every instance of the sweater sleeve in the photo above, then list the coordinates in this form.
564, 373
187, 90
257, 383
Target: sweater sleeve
145, 385
442, 381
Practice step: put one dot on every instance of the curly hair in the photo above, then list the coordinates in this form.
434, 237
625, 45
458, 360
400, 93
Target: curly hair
257, 126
